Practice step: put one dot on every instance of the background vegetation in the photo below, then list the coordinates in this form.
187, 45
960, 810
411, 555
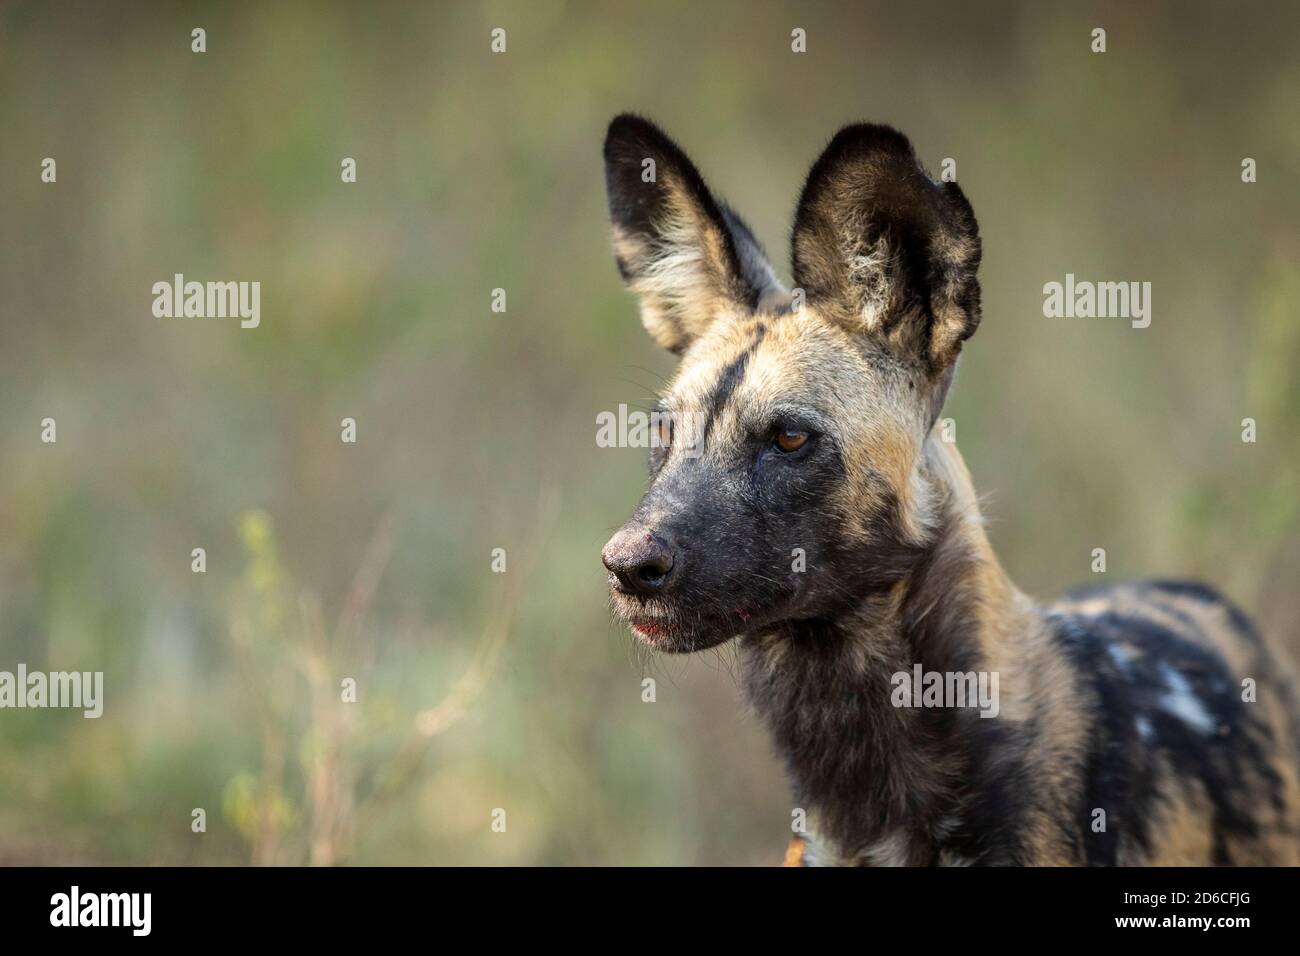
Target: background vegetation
476, 430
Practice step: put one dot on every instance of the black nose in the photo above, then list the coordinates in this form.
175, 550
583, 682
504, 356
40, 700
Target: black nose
640, 560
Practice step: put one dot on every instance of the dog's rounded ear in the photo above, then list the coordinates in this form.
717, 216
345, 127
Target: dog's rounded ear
686, 255
886, 250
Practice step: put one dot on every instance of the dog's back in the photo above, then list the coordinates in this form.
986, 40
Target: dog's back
1191, 752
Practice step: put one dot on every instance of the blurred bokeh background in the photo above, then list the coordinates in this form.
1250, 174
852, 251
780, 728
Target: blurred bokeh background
476, 430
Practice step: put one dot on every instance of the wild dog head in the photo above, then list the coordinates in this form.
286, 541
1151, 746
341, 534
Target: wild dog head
790, 481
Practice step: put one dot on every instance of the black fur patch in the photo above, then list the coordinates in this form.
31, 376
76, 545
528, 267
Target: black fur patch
732, 375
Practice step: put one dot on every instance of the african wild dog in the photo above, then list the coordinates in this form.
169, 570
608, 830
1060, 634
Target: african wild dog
819, 408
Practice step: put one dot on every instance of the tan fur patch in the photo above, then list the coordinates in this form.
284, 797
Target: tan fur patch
794, 852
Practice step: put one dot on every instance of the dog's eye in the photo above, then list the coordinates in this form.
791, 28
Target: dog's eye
790, 441
665, 432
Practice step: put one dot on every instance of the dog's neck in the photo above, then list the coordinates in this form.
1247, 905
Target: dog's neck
879, 782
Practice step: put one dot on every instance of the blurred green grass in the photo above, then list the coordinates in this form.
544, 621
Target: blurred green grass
478, 171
